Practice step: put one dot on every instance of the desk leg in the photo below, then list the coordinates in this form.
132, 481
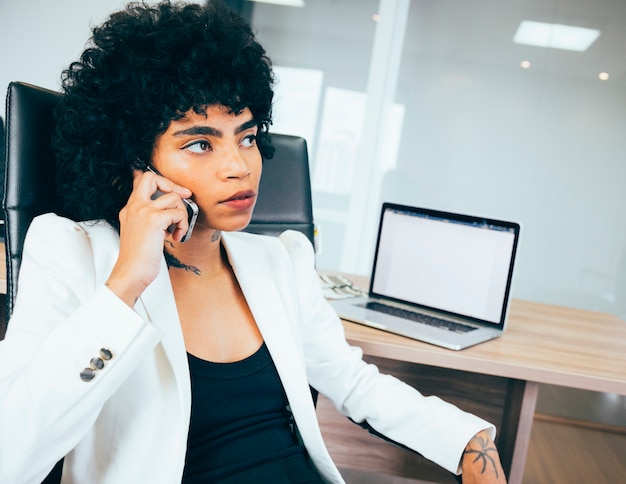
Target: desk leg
515, 436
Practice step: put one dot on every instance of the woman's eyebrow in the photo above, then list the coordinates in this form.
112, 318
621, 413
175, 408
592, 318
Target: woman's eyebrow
251, 123
209, 131
196, 130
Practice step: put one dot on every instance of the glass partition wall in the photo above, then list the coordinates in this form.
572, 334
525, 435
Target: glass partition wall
322, 53
516, 110
480, 107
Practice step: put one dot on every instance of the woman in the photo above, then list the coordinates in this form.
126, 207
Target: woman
145, 359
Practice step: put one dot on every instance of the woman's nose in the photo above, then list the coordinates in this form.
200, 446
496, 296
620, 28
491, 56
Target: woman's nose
235, 165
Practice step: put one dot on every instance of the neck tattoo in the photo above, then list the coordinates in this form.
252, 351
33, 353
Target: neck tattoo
216, 236
176, 264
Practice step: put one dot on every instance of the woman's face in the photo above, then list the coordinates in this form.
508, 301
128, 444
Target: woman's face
216, 157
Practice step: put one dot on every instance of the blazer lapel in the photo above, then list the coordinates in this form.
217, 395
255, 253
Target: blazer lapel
258, 282
157, 305
257, 276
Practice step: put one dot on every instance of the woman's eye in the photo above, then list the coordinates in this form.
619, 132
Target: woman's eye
198, 146
249, 140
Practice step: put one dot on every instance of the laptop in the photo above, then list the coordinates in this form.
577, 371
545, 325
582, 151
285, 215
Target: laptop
439, 277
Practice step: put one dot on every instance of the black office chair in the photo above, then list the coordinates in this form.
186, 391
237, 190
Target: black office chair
2, 157
29, 170
284, 196
285, 190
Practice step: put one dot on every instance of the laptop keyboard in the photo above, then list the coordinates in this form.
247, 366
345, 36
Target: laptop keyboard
419, 317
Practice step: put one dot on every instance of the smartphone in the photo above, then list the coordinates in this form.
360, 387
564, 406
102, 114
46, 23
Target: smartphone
190, 205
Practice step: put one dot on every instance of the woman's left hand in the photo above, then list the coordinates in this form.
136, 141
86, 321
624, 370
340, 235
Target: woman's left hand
481, 461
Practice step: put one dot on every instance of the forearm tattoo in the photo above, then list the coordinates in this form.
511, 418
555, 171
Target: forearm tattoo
481, 448
175, 263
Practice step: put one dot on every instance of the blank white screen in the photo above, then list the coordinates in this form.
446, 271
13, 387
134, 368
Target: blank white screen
455, 267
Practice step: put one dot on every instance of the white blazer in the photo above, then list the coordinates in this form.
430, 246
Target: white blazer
129, 424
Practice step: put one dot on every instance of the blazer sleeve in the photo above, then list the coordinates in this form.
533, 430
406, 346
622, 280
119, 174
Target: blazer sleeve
434, 428
63, 317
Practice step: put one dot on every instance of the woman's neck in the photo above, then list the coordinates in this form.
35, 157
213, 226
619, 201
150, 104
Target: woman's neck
203, 256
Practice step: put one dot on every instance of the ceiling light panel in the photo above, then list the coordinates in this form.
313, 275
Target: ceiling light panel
555, 36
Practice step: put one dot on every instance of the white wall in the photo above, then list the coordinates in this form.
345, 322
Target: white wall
40, 38
544, 150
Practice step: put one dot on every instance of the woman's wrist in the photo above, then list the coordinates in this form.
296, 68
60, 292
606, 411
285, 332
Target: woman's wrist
128, 290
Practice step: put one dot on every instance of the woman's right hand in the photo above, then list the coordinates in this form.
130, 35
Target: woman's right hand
144, 224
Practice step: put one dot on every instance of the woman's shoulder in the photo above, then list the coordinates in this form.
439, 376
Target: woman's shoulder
49, 223
290, 241
290, 251
50, 234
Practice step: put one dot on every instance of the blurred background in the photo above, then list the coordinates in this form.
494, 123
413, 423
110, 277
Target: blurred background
436, 103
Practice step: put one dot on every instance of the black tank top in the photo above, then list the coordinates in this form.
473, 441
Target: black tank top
239, 418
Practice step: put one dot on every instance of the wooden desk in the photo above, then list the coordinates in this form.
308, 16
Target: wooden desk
498, 379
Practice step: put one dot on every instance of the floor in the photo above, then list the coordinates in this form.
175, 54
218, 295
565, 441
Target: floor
564, 453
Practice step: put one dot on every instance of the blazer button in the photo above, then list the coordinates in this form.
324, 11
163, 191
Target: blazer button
87, 374
96, 363
106, 354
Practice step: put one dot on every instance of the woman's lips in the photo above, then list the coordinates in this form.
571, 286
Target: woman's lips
241, 200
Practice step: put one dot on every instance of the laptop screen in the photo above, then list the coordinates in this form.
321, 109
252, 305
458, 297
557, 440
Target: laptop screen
455, 263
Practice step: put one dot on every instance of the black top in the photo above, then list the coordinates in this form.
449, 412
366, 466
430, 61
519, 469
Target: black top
239, 418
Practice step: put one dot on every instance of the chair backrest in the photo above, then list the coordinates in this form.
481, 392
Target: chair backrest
285, 190
29, 170
284, 196
2, 157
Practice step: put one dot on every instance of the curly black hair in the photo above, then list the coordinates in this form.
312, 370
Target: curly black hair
144, 67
